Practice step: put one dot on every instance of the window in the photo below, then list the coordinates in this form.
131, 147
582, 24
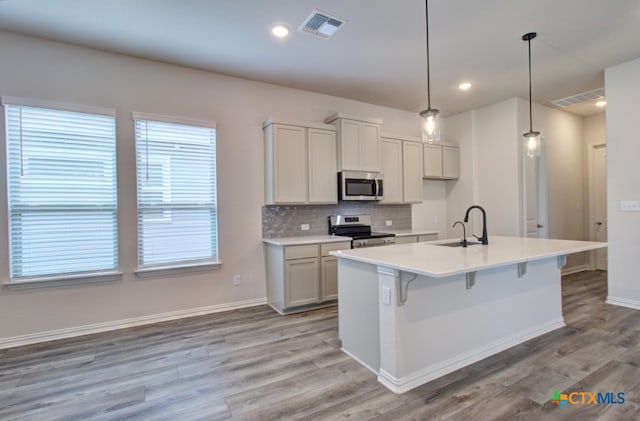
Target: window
61, 177
176, 181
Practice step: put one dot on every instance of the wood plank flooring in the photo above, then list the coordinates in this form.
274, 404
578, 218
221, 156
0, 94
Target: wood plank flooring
253, 364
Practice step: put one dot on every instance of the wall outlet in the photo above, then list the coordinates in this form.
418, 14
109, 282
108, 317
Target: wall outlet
388, 222
630, 206
386, 296
236, 280
304, 227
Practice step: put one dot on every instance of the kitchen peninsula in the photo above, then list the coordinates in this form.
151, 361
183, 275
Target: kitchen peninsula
414, 312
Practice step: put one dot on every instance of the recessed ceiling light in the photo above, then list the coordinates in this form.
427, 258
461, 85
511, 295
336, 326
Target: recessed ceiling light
601, 103
465, 86
280, 31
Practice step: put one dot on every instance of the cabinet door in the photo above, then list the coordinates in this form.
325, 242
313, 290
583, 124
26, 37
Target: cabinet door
349, 145
432, 161
290, 164
450, 161
370, 147
391, 161
406, 239
411, 172
323, 183
301, 282
329, 274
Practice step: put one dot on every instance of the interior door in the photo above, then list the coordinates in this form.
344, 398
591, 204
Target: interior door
598, 201
531, 196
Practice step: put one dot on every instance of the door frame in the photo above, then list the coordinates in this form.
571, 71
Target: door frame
591, 194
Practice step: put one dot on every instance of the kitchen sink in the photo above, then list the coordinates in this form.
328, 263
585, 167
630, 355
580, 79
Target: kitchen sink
458, 244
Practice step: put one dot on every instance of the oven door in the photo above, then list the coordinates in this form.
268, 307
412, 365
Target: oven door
360, 185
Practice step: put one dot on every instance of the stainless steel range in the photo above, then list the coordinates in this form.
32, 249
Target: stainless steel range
358, 227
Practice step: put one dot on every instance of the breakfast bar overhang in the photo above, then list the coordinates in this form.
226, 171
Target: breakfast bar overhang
414, 312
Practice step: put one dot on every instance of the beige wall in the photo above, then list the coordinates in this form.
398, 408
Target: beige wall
622, 84
35, 68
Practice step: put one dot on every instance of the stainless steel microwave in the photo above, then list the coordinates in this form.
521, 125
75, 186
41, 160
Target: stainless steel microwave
360, 185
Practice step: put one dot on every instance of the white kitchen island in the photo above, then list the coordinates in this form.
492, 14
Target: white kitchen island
414, 312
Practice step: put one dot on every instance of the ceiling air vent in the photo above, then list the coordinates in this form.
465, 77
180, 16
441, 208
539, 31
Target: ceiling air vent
321, 24
579, 98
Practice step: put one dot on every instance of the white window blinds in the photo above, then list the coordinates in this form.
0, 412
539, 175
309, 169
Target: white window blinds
62, 192
176, 181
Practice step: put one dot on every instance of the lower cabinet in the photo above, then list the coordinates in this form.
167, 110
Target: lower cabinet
416, 238
302, 277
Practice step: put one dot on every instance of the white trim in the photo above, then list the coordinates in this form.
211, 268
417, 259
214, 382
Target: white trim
176, 269
172, 119
41, 103
122, 324
63, 280
623, 302
427, 374
270, 120
575, 269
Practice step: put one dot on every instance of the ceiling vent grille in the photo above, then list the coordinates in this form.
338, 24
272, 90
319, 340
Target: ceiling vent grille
579, 98
321, 25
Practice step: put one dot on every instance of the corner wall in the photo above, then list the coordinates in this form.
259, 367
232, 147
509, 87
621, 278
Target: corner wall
622, 84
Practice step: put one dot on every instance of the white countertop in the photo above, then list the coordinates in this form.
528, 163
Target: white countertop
441, 261
308, 239
408, 232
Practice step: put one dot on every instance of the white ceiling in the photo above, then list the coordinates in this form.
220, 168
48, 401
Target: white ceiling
377, 57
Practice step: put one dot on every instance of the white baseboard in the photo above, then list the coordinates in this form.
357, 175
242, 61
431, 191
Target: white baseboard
53, 335
575, 269
427, 374
623, 302
365, 365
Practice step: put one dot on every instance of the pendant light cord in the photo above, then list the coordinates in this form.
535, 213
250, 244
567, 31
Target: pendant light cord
530, 112
426, 4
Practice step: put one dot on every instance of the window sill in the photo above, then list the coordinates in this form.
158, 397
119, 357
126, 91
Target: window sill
64, 280
176, 269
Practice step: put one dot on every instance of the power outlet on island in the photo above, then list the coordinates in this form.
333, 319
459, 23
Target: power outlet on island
388, 222
236, 280
386, 296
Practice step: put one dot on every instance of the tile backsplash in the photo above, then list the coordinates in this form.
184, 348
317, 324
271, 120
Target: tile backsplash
285, 221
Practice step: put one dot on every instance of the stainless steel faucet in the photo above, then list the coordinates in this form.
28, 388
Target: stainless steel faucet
484, 239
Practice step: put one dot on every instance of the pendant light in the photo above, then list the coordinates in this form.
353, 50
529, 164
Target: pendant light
430, 117
532, 137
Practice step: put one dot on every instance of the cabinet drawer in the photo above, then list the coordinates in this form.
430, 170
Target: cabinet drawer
427, 237
326, 248
301, 252
406, 239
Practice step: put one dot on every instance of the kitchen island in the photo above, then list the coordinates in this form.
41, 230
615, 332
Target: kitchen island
414, 312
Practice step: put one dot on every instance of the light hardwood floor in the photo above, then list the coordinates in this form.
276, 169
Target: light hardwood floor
256, 365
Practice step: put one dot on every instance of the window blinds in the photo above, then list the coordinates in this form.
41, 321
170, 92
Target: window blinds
62, 192
176, 182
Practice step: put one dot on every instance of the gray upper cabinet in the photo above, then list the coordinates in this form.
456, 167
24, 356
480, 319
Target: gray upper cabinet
441, 161
358, 142
401, 159
300, 163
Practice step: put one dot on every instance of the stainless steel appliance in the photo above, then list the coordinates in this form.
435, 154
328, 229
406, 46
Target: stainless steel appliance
358, 227
360, 185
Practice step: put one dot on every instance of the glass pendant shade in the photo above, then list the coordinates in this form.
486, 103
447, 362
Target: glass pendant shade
532, 144
430, 123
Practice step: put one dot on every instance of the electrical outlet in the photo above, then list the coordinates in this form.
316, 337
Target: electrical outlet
629, 206
389, 222
386, 296
304, 227
236, 280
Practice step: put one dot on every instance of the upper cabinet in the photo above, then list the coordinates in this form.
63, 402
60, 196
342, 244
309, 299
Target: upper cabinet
358, 142
300, 163
401, 160
441, 161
